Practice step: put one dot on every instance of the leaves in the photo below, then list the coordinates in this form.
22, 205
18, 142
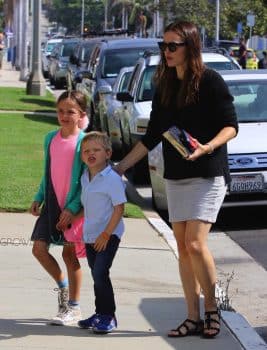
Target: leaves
201, 12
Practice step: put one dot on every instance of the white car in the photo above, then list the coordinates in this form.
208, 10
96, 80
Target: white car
247, 153
134, 113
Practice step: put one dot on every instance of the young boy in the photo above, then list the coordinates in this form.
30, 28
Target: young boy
103, 198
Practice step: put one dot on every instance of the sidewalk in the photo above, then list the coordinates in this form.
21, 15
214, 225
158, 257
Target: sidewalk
9, 77
149, 295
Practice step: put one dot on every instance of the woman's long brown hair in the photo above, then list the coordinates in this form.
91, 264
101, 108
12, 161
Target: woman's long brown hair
166, 77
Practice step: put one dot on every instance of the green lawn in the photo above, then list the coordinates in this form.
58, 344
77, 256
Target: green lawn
15, 99
21, 160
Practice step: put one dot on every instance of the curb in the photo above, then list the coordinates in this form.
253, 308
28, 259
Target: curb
235, 322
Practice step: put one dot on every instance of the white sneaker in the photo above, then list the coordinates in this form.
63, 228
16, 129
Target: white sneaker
63, 298
71, 316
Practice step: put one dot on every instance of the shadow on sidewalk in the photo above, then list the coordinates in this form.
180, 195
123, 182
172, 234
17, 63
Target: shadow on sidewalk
20, 328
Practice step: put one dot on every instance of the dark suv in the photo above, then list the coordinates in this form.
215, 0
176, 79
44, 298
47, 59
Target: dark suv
107, 58
79, 60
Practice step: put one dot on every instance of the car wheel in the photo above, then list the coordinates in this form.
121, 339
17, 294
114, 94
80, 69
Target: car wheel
52, 81
59, 84
105, 126
124, 147
140, 172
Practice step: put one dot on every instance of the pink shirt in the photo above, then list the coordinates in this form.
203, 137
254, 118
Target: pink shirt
62, 151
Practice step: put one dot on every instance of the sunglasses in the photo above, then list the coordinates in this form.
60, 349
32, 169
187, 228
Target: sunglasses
172, 46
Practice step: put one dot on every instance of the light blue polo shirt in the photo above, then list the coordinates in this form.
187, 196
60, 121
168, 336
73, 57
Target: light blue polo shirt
98, 197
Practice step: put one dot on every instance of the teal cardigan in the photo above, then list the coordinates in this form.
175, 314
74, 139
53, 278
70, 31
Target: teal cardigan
73, 200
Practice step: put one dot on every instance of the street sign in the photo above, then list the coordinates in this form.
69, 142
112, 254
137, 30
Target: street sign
250, 20
239, 28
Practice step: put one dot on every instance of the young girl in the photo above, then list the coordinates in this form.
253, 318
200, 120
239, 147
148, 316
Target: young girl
59, 194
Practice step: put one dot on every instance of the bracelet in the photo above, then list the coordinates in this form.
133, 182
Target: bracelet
211, 148
105, 235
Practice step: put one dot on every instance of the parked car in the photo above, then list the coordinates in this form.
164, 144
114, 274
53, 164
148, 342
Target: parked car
134, 113
79, 60
220, 60
106, 60
46, 52
247, 153
252, 59
108, 106
59, 60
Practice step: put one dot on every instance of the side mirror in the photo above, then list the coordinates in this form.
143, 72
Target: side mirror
105, 89
124, 96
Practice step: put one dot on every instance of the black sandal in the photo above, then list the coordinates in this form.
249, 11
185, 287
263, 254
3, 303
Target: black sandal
198, 329
208, 324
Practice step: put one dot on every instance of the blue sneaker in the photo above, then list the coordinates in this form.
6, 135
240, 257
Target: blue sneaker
88, 322
105, 324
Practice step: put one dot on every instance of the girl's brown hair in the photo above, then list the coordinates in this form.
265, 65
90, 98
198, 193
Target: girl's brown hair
166, 77
76, 96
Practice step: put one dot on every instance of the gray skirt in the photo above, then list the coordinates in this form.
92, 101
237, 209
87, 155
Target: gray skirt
195, 198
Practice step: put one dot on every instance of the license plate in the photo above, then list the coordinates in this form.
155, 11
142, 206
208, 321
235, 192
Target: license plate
246, 183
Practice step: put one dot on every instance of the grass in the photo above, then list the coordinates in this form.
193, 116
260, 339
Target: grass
21, 160
15, 99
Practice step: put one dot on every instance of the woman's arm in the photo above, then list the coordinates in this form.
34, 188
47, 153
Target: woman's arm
137, 153
223, 136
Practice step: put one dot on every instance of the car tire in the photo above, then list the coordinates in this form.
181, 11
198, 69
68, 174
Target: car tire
59, 84
140, 172
105, 126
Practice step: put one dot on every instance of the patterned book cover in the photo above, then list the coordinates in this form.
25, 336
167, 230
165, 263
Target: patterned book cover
181, 140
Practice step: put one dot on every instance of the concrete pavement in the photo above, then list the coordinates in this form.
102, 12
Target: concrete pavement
149, 294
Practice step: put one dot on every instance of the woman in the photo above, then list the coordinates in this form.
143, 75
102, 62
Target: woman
196, 99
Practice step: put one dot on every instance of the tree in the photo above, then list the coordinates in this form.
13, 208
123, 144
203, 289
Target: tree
68, 14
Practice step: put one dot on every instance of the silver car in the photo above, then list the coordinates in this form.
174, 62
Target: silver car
247, 153
59, 61
108, 107
134, 113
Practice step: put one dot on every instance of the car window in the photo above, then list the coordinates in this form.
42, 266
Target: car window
132, 81
115, 60
146, 87
250, 100
86, 52
124, 81
50, 46
67, 49
220, 65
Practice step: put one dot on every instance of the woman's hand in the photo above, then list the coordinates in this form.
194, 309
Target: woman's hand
201, 150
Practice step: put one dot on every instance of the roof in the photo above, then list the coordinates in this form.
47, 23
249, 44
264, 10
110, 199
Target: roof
245, 74
214, 57
130, 42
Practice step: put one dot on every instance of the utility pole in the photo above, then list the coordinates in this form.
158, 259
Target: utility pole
82, 20
36, 84
106, 16
24, 41
217, 35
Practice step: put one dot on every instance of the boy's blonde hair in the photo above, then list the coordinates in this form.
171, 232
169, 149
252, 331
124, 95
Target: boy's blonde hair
98, 136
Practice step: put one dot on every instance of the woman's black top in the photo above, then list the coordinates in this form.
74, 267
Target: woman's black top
203, 120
